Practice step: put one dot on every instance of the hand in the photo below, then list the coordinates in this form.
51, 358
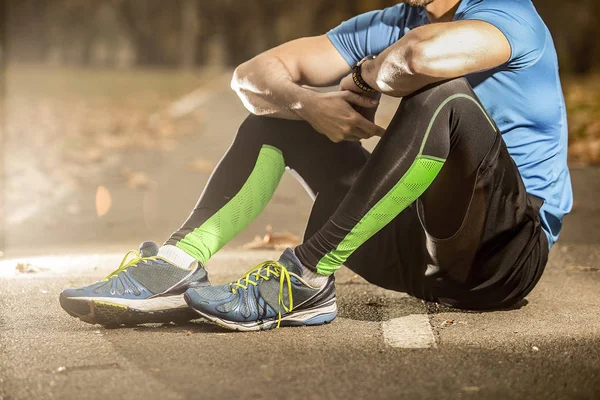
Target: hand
348, 84
333, 115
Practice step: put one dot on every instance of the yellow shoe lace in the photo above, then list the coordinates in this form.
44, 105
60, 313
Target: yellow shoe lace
264, 271
132, 263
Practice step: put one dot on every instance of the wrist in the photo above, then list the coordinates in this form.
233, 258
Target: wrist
357, 76
303, 104
370, 70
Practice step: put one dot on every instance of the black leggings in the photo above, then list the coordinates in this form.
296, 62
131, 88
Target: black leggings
364, 213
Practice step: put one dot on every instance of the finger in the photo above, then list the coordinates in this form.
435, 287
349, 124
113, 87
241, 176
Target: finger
360, 133
369, 128
361, 101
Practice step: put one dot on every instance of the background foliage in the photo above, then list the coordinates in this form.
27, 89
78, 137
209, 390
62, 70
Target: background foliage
225, 32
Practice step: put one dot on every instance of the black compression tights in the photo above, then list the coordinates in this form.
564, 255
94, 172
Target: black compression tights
431, 150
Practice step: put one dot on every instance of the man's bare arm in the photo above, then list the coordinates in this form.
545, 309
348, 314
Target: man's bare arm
270, 83
434, 53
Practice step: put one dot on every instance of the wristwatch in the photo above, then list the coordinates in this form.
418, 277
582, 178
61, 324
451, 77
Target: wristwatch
357, 75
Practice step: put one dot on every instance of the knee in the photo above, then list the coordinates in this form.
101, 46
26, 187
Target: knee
440, 91
255, 125
254, 132
265, 129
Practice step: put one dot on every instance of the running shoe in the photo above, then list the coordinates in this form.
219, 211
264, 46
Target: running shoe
144, 289
270, 295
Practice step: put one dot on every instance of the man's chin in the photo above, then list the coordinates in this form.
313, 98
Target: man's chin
418, 3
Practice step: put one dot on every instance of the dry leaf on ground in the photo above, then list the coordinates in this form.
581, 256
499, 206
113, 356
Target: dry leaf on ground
27, 268
201, 165
103, 201
447, 322
137, 180
582, 268
89, 155
353, 280
273, 241
585, 152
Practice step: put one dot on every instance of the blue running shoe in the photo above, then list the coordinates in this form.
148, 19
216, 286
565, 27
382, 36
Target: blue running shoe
145, 289
270, 295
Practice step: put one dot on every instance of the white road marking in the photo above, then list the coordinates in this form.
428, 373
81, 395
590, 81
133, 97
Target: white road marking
410, 332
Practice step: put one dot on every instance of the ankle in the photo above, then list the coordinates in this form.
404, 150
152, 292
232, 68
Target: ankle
312, 277
176, 256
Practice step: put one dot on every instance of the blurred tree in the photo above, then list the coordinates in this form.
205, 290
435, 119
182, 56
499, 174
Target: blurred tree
188, 33
576, 31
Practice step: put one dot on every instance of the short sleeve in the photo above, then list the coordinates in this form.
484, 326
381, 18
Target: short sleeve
369, 33
520, 24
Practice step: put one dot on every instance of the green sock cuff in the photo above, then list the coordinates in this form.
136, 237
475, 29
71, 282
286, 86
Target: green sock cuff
203, 242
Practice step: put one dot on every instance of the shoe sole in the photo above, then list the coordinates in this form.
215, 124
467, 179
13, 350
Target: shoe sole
315, 316
110, 313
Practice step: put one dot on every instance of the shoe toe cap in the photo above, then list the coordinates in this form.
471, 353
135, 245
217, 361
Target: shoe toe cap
208, 298
73, 292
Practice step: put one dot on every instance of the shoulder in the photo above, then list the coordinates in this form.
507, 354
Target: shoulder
518, 20
519, 10
391, 16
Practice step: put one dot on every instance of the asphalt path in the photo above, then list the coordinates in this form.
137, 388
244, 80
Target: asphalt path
549, 348
383, 345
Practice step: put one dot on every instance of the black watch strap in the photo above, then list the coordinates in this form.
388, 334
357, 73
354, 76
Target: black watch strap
357, 75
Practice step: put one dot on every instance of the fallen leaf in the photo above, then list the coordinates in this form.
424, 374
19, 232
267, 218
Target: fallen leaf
581, 268
87, 156
201, 165
447, 322
27, 268
273, 241
103, 201
137, 180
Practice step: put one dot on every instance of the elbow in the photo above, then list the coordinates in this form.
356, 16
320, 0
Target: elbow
240, 74
416, 60
240, 84
424, 60
400, 72
397, 67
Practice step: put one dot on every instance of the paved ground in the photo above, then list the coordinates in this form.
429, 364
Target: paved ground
547, 349
383, 344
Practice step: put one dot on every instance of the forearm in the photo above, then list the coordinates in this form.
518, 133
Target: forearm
435, 53
266, 88
398, 71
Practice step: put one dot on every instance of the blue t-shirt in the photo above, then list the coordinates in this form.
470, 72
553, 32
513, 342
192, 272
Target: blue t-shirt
523, 96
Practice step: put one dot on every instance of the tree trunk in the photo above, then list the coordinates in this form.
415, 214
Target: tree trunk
189, 33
